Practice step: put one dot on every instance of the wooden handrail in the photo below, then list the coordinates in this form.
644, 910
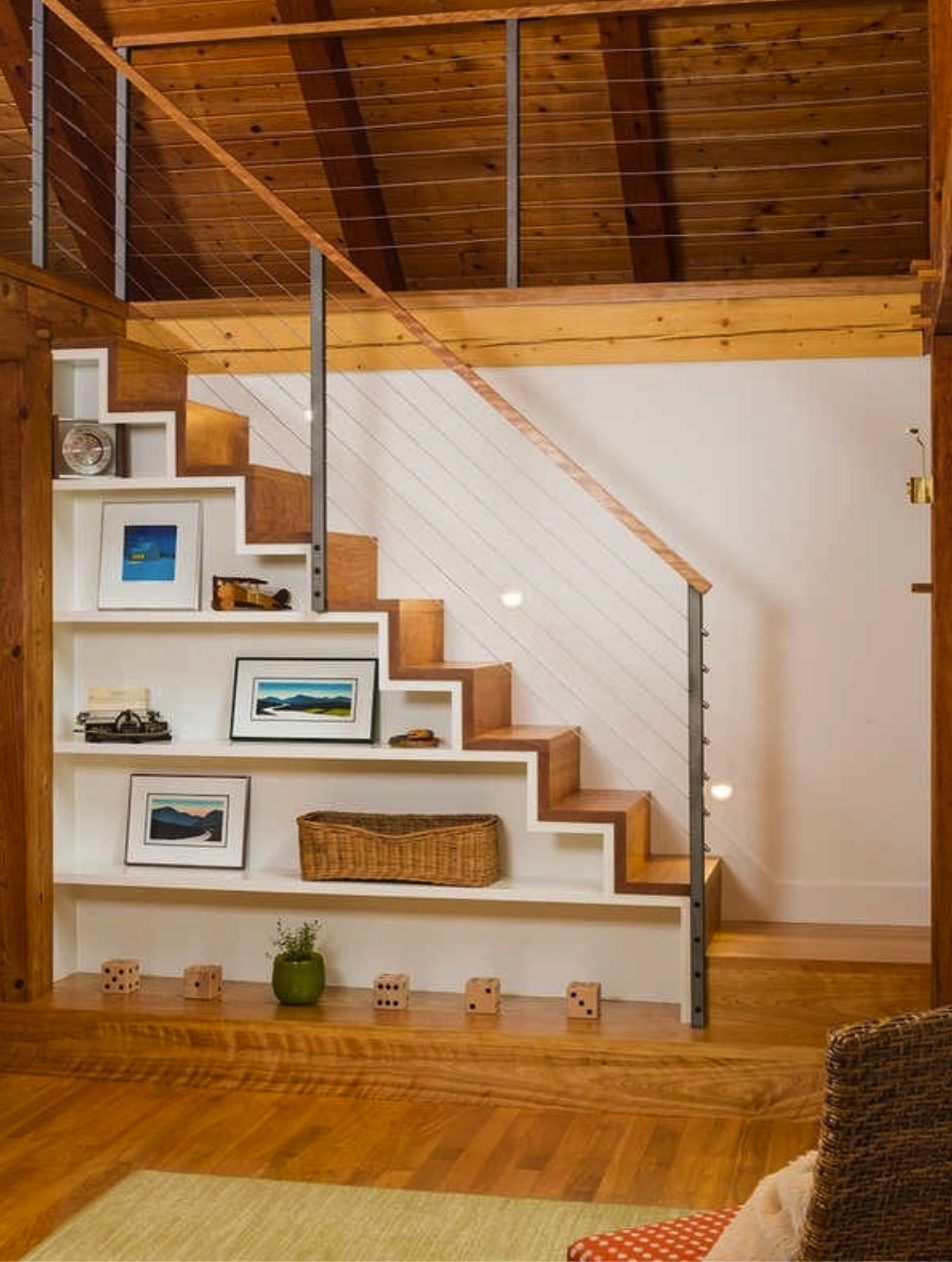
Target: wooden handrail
410, 322
411, 21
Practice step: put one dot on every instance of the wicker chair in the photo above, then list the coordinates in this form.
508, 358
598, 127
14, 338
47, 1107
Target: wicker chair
883, 1182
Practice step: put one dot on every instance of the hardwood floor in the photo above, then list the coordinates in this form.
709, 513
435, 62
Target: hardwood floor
63, 1141
635, 1108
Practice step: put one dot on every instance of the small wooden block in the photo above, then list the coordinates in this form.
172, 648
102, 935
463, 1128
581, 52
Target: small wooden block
583, 1000
482, 994
392, 990
120, 977
202, 981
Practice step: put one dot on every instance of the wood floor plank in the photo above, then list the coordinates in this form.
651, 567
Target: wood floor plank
65, 1141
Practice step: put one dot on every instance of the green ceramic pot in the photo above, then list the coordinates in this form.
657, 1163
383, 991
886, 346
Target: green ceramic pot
298, 981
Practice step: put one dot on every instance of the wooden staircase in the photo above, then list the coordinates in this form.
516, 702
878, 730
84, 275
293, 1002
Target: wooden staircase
211, 441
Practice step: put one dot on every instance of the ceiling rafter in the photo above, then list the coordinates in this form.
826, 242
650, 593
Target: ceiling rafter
626, 53
79, 178
463, 17
328, 92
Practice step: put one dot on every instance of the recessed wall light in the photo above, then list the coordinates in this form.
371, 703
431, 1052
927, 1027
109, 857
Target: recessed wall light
722, 790
511, 599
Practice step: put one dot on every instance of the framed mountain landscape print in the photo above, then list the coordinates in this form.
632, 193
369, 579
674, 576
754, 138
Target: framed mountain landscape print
187, 821
304, 699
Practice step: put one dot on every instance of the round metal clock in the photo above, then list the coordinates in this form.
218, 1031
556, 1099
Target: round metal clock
87, 449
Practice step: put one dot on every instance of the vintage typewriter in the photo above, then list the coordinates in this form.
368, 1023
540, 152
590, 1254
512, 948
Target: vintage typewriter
134, 726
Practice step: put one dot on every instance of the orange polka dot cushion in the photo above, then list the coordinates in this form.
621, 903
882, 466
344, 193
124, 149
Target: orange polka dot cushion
685, 1239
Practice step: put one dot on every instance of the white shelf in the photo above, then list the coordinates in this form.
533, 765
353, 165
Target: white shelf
281, 751
132, 486
580, 893
206, 617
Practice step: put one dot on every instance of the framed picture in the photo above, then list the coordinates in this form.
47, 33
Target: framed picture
304, 699
150, 555
183, 821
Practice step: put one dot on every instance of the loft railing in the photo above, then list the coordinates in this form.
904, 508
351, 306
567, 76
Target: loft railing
322, 252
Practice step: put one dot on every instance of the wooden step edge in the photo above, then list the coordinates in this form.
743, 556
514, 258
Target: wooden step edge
486, 694
669, 874
753, 940
350, 572
558, 753
216, 442
277, 505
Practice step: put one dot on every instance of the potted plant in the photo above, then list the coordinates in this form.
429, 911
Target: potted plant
297, 971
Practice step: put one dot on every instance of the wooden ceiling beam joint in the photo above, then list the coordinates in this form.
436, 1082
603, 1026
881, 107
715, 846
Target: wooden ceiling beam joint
625, 42
330, 98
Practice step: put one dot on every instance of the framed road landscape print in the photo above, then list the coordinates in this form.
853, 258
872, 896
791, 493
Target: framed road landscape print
150, 555
304, 699
186, 821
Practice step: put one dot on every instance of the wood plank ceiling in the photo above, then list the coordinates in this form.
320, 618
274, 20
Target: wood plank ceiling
751, 141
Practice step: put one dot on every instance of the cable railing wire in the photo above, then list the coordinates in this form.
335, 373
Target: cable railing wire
561, 542
563, 686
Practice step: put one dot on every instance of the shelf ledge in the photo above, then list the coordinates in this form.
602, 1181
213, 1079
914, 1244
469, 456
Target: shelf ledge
205, 881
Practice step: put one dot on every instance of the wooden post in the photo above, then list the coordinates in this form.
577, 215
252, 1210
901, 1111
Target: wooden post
942, 671
26, 678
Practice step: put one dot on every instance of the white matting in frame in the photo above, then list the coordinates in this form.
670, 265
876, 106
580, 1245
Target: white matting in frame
304, 699
185, 821
150, 556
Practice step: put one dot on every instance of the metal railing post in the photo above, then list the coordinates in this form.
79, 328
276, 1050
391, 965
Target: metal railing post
696, 807
318, 400
38, 202
513, 108
121, 214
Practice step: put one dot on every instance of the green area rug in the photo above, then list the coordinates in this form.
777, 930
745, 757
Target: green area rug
167, 1217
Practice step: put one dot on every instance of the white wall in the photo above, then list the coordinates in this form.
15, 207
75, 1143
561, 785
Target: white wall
783, 482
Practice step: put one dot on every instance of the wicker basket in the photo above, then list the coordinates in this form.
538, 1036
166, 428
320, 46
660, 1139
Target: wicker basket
429, 849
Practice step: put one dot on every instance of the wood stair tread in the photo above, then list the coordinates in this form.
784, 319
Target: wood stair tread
606, 800
520, 734
423, 669
667, 874
769, 940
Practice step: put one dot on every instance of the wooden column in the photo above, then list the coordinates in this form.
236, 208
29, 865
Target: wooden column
942, 670
26, 678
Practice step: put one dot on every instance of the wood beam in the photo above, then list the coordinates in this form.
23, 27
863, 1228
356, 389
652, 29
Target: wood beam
26, 679
626, 54
941, 361
937, 282
330, 97
814, 319
940, 131
412, 21
80, 175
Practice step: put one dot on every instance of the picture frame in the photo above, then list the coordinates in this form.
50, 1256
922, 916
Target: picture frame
150, 554
187, 821
304, 699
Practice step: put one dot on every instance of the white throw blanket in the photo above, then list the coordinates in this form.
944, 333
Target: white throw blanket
769, 1224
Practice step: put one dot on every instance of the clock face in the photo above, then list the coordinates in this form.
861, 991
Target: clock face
87, 449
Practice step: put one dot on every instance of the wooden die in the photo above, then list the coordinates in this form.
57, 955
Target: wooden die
583, 999
392, 990
202, 981
120, 977
482, 994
